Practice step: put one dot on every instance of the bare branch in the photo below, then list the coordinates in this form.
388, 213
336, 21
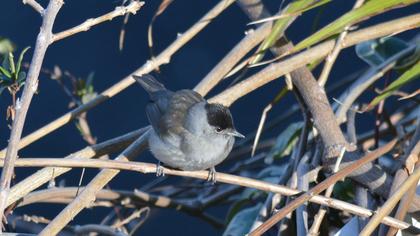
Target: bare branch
332, 56
322, 211
146, 168
161, 59
278, 69
366, 80
31, 84
394, 199
100, 229
87, 196
132, 8
42, 176
321, 187
35, 5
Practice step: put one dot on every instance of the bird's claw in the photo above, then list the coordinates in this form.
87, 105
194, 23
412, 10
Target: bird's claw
212, 175
159, 170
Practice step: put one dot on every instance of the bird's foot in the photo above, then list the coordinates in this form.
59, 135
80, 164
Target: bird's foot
159, 170
212, 175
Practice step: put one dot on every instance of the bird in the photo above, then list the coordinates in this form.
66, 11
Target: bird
188, 133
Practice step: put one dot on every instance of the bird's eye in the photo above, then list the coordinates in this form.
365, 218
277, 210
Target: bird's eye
218, 129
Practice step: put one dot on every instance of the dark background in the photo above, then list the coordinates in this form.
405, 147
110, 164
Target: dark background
97, 50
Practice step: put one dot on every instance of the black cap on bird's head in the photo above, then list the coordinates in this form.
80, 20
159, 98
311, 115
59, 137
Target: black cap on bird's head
220, 117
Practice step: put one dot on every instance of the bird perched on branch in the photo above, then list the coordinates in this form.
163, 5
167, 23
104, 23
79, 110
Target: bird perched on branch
188, 133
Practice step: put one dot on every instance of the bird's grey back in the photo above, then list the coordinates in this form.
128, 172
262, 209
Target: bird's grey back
167, 110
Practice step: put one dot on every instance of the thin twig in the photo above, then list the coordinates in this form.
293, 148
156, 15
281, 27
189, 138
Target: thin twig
42, 176
31, 85
260, 128
322, 211
136, 199
394, 199
332, 56
402, 175
87, 196
35, 5
252, 38
365, 81
100, 229
132, 8
278, 69
321, 187
221, 177
134, 215
161, 59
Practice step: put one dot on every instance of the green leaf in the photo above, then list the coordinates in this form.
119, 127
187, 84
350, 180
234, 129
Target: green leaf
12, 63
242, 222
375, 52
369, 9
235, 208
5, 64
89, 79
21, 77
6, 46
88, 97
19, 63
344, 190
293, 9
5, 72
285, 141
411, 74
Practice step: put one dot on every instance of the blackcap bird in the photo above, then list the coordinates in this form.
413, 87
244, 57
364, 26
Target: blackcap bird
188, 133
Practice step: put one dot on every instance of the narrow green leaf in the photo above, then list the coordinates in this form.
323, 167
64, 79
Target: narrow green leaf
5, 64
242, 222
411, 74
285, 142
369, 9
19, 63
235, 208
5, 72
375, 52
294, 8
89, 78
12, 63
21, 77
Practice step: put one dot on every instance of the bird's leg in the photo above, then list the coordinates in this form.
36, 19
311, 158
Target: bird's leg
159, 170
212, 175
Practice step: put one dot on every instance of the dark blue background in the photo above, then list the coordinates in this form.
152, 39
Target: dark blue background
97, 50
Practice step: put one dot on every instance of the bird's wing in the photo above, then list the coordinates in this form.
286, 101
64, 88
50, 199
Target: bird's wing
157, 107
172, 121
154, 114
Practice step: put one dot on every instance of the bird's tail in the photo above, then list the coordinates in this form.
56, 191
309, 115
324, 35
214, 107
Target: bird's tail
149, 83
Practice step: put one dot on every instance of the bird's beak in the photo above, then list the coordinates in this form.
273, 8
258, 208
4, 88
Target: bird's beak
236, 134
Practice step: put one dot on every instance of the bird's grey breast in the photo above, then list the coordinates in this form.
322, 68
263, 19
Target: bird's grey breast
203, 152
